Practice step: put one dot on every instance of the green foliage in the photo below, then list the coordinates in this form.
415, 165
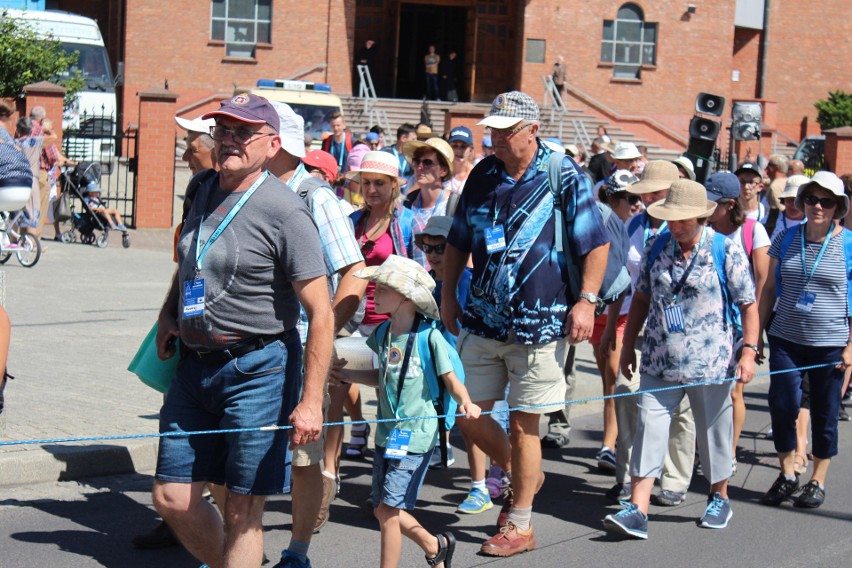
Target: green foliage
836, 111
26, 57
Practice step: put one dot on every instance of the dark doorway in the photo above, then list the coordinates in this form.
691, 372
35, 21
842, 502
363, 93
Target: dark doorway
422, 25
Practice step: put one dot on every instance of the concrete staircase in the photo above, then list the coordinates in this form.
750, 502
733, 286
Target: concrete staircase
399, 111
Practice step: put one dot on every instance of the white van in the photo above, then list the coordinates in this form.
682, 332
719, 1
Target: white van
93, 114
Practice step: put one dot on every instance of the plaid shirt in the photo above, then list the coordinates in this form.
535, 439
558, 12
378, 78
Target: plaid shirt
339, 246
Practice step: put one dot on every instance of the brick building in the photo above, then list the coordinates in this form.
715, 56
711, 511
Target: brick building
636, 63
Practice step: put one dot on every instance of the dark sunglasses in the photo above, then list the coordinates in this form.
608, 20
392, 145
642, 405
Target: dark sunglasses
428, 162
824, 202
437, 249
632, 199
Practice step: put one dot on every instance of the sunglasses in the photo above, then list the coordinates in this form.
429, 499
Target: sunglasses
824, 202
437, 249
428, 162
632, 199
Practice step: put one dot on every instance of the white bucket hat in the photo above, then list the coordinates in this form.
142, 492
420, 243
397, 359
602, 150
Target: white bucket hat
378, 162
626, 151
791, 188
687, 166
832, 184
405, 276
686, 199
291, 129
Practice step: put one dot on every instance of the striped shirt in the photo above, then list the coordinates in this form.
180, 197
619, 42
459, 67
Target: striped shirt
827, 325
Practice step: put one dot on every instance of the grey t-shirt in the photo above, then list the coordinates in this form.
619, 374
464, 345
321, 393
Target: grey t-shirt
248, 269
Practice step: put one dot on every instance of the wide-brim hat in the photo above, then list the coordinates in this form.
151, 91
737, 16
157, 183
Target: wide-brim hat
436, 226
658, 175
791, 188
198, 124
686, 199
687, 166
830, 183
508, 109
626, 151
441, 147
405, 276
424, 132
377, 162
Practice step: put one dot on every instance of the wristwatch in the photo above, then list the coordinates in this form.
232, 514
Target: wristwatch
589, 297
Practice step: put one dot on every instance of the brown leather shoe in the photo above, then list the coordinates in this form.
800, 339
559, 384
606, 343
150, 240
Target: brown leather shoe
329, 492
509, 541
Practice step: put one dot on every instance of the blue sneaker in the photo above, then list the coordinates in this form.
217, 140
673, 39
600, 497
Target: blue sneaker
630, 521
290, 560
476, 502
717, 514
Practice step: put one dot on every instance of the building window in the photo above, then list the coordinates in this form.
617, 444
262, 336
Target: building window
241, 24
535, 50
629, 42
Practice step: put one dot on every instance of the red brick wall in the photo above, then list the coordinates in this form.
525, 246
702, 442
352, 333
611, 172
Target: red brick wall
838, 150
808, 55
155, 174
693, 55
51, 97
168, 40
745, 60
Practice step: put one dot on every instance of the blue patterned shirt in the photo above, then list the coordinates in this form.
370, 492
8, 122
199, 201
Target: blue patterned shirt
522, 289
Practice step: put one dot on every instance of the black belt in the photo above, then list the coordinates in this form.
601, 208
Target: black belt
238, 349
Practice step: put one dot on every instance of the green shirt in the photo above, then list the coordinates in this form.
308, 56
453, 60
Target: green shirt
416, 400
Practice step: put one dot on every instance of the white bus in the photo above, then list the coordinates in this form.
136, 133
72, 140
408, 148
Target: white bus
93, 114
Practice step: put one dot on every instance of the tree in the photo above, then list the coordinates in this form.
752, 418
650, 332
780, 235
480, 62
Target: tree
836, 111
27, 57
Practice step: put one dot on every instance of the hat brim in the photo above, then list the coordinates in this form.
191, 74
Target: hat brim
432, 232
660, 210
499, 122
410, 148
644, 186
239, 117
356, 175
197, 125
423, 300
628, 156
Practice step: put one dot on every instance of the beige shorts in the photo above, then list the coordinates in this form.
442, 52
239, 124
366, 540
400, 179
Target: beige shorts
313, 452
535, 373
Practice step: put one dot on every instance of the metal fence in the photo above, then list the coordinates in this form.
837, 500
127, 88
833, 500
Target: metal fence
98, 139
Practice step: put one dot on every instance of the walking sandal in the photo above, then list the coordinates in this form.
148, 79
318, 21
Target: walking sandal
445, 550
357, 446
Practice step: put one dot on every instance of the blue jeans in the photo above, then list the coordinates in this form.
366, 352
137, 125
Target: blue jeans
260, 388
396, 483
785, 393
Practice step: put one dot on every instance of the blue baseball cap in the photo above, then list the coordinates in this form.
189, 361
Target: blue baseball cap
372, 137
722, 185
461, 134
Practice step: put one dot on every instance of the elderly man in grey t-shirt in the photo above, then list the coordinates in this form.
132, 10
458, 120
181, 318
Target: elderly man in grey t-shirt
248, 254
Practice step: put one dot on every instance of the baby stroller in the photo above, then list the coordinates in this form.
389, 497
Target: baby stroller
80, 182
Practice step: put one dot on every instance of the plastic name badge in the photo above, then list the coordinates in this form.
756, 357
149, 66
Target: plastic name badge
148, 366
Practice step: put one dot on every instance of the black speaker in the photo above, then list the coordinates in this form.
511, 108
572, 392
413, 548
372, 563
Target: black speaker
747, 118
707, 103
704, 128
700, 151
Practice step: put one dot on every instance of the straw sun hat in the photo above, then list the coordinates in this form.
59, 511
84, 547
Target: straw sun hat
658, 175
441, 147
408, 278
377, 162
686, 200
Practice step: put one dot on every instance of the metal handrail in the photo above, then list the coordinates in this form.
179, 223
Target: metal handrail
308, 71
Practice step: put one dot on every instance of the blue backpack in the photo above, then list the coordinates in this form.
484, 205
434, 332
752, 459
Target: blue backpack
787, 240
444, 403
732, 311
616, 279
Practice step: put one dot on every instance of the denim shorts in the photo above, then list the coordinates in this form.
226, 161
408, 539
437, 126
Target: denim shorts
396, 483
260, 388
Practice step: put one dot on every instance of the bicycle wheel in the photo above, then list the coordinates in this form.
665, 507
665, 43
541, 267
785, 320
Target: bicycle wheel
29, 250
5, 255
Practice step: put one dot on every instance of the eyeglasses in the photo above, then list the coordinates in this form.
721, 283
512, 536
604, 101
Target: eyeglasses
437, 249
239, 135
824, 202
427, 162
509, 132
632, 199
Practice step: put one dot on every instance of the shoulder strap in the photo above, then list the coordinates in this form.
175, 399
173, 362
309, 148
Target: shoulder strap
406, 358
786, 241
436, 386
719, 257
747, 236
410, 198
847, 253
452, 203
308, 186
657, 247
635, 223
563, 215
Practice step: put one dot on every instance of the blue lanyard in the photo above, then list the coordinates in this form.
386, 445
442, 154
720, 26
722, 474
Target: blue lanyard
340, 146
199, 254
419, 204
648, 229
819, 255
403, 163
299, 175
686, 272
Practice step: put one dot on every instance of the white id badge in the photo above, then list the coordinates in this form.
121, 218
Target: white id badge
805, 303
495, 239
398, 444
674, 319
193, 298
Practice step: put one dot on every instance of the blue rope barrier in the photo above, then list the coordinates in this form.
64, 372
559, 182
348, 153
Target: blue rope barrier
275, 427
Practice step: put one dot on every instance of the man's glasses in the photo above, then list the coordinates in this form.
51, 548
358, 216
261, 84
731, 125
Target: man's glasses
239, 135
427, 162
824, 202
437, 249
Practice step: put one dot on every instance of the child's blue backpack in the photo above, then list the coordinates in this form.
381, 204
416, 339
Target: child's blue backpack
441, 398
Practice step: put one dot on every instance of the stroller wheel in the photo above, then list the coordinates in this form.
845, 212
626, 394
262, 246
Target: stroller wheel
87, 238
102, 241
125, 240
67, 237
